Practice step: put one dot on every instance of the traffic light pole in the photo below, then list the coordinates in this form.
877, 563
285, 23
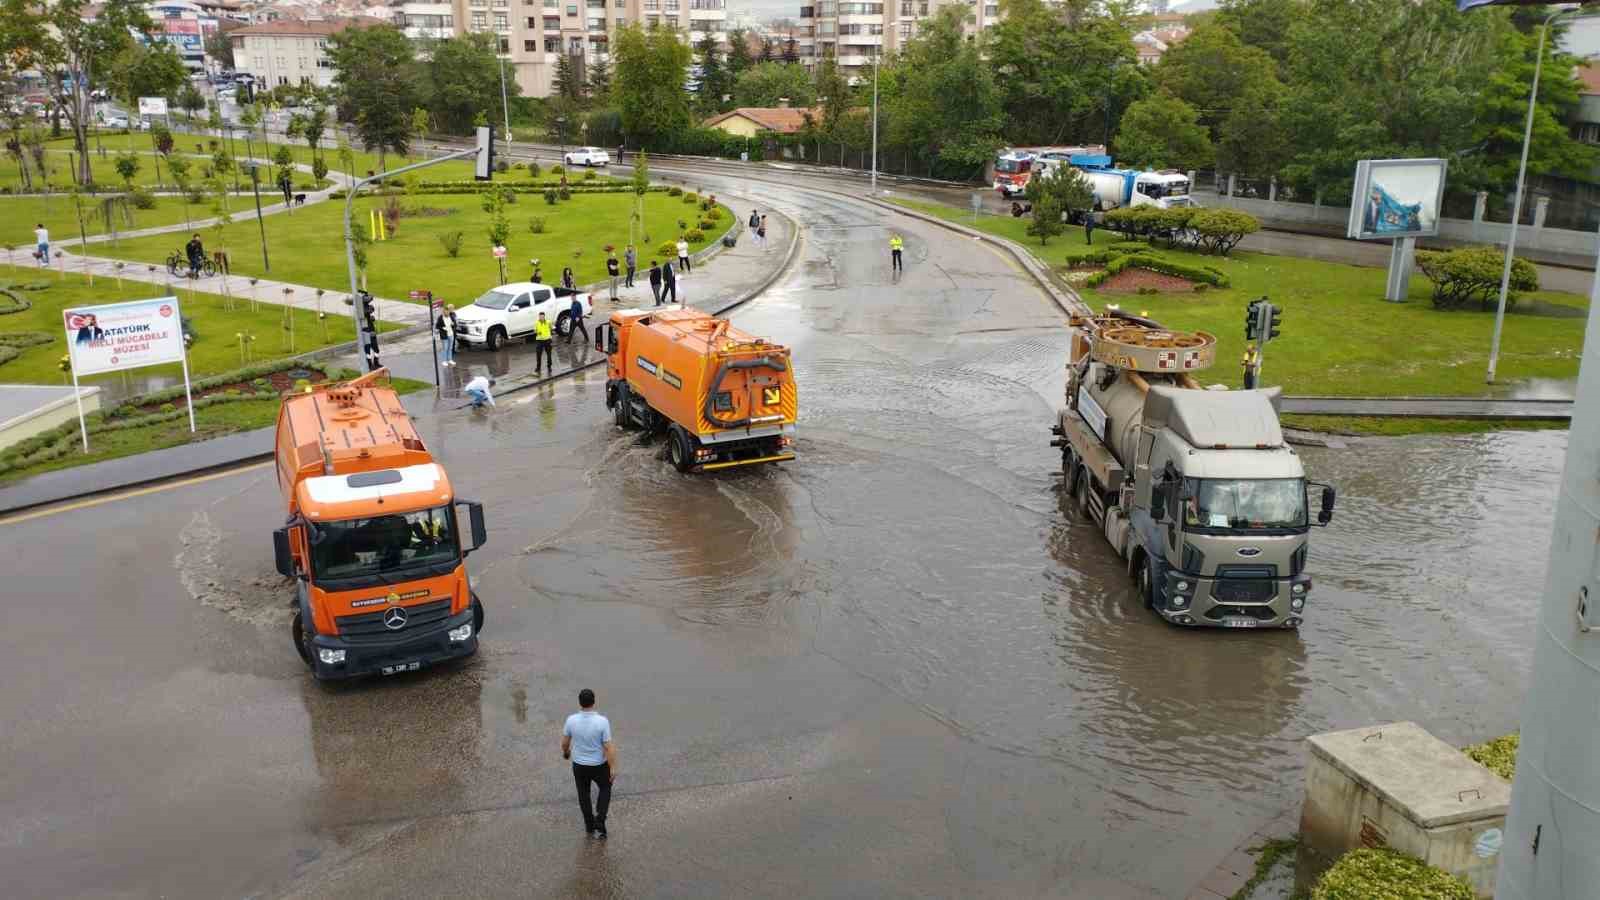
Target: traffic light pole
362, 337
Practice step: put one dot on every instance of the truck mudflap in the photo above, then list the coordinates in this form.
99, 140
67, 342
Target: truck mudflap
334, 658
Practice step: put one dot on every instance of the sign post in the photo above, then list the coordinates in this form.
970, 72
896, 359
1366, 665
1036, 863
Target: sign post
1397, 200
434, 307
115, 337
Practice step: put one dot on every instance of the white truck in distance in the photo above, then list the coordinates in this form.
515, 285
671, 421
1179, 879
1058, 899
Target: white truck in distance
511, 310
587, 156
1115, 188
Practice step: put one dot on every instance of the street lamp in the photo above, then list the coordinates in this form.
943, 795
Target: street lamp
505, 105
874, 120
1522, 178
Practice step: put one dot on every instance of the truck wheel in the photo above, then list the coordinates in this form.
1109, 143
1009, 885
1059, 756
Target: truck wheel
1081, 484
1147, 588
679, 450
477, 615
302, 639
497, 338
621, 409
564, 324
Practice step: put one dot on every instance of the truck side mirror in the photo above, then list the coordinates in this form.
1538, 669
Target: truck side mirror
480, 534
282, 554
1326, 514
1158, 502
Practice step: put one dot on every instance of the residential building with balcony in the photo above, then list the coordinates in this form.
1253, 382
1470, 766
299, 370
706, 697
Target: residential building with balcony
424, 22
856, 31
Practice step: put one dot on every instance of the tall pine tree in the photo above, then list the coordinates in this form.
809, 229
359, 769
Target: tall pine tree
566, 81
600, 81
791, 50
714, 80
738, 53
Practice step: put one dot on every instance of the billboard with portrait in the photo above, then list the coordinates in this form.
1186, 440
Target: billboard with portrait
118, 336
1396, 198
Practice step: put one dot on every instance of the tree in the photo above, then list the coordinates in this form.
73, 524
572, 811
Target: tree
146, 71
648, 86
567, 83
832, 91
791, 51
715, 79
218, 47
463, 76
769, 51
312, 128
600, 82
1046, 221
62, 37
1065, 186
738, 52
1212, 70
941, 98
189, 98
1062, 82
1263, 24
128, 167
1162, 131
1253, 140
375, 75
179, 167
764, 84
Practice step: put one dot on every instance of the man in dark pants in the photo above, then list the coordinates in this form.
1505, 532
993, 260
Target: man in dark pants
586, 740
575, 320
655, 281
669, 283
1088, 228
542, 343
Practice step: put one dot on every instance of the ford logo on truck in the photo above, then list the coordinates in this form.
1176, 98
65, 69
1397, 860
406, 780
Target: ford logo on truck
1249, 551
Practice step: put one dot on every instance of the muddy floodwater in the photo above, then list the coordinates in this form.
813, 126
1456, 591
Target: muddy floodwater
900, 666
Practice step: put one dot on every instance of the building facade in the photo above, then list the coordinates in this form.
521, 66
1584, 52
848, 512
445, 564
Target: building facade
855, 32
288, 51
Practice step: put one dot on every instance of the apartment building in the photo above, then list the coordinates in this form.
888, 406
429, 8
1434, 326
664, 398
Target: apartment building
288, 51
533, 34
424, 22
857, 31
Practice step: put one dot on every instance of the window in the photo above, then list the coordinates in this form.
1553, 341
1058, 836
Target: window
324, 63
552, 45
597, 4
905, 29
499, 4
652, 21
500, 23
672, 6
533, 24
597, 24
826, 28
906, 7
552, 4
357, 548
479, 21
572, 9
1589, 133
574, 44
621, 4
530, 46
597, 49
991, 11
652, 5
505, 44
552, 23
1245, 504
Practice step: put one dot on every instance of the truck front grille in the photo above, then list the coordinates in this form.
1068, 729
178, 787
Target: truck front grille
1245, 584
370, 627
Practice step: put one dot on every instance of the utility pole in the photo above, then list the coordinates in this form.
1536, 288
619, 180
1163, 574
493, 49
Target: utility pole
505, 105
1550, 836
875, 121
255, 185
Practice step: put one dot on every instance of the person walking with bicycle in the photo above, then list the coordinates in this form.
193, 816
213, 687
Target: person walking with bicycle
196, 252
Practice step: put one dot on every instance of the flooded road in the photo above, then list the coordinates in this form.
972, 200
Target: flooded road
900, 666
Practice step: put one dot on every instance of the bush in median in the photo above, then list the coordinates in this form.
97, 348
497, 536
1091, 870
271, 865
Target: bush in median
1366, 874
668, 250
1459, 276
1498, 756
1219, 230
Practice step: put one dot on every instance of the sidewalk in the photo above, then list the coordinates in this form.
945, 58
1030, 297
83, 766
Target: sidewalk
740, 273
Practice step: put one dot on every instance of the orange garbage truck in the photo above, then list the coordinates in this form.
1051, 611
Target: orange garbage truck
374, 538
723, 397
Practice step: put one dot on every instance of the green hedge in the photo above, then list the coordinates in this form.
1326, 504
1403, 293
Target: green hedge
526, 187
1102, 257
1498, 756
1473, 273
1370, 874
1198, 274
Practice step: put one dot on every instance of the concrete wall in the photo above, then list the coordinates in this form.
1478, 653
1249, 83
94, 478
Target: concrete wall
54, 407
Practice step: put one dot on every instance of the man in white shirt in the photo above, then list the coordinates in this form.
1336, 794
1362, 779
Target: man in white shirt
41, 240
477, 390
586, 740
683, 255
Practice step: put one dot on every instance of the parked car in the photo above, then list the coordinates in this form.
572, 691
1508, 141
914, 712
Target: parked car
510, 311
587, 156
115, 120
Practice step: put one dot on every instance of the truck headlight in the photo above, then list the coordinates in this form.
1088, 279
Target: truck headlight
1183, 587
461, 634
1297, 603
1298, 589
1179, 602
331, 657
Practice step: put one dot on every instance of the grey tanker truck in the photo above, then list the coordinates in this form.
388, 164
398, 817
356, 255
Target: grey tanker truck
1195, 487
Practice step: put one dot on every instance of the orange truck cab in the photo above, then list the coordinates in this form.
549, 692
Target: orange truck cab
373, 537
723, 397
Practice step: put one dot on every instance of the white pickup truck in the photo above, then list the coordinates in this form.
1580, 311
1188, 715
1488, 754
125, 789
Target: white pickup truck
510, 311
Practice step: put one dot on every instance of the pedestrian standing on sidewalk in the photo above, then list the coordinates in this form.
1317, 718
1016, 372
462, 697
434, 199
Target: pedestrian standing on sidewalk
542, 342
669, 283
631, 259
41, 241
575, 320
196, 251
586, 740
761, 232
1088, 227
446, 326
613, 271
567, 279
538, 272
683, 254
655, 281
896, 244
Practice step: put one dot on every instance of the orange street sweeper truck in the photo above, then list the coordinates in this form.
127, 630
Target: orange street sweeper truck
374, 539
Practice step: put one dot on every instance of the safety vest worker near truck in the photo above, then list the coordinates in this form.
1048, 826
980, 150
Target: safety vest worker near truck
542, 354
895, 246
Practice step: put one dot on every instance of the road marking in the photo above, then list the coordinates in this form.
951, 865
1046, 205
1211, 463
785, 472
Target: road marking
128, 495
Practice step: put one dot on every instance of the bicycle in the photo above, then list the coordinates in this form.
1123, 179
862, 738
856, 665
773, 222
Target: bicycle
179, 262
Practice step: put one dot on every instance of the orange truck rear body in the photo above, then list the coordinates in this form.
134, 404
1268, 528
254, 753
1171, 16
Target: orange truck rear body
349, 454
731, 394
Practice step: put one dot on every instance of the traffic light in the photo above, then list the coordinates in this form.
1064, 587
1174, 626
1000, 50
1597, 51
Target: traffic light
1252, 320
1274, 322
483, 165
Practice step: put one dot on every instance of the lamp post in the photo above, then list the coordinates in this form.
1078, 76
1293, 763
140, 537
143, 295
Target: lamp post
505, 105
1522, 178
874, 120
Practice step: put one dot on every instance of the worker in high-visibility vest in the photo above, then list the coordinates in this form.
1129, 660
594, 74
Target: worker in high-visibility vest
895, 246
542, 343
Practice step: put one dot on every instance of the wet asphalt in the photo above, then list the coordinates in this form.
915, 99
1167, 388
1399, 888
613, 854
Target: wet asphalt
897, 667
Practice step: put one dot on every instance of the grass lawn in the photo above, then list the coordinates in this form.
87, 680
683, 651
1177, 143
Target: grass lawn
216, 348
1395, 426
1339, 335
306, 247
59, 213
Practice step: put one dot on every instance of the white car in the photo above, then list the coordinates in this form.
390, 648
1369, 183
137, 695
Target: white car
510, 311
115, 120
587, 156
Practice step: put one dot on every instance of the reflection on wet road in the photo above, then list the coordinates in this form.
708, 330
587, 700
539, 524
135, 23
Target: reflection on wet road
900, 666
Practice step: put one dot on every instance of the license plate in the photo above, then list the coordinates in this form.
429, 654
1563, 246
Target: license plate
1239, 622
402, 667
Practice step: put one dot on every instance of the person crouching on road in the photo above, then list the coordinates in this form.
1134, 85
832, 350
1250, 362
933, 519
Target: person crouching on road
575, 321
477, 390
446, 326
586, 740
542, 354
655, 281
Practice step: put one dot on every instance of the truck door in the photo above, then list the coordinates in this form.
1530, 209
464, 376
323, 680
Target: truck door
520, 314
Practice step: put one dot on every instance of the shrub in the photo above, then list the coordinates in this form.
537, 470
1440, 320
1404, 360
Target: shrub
707, 225
1365, 874
533, 169
536, 225
558, 169
1129, 246
1459, 276
683, 225
674, 191
1498, 756
550, 196
167, 407
451, 242
500, 165
714, 213
668, 250
1218, 230
588, 175
142, 198
1197, 274
694, 235
564, 192
691, 197
705, 205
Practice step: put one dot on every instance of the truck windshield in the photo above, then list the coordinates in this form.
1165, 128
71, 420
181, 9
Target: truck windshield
1245, 504
357, 548
1006, 166
495, 300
